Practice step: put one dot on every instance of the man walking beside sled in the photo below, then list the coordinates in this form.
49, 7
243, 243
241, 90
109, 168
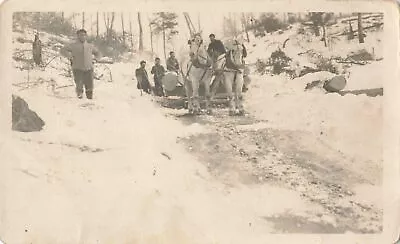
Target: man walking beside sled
142, 78
158, 71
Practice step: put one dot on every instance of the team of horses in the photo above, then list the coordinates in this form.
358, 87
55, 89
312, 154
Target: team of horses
201, 68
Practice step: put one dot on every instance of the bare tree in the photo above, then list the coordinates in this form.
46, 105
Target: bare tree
321, 19
97, 25
151, 36
360, 29
74, 20
245, 25
83, 20
165, 23
130, 30
123, 27
109, 23
351, 32
198, 20
140, 32
164, 40
324, 36
91, 24
316, 19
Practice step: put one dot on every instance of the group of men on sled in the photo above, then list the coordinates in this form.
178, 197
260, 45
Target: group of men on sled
214, 50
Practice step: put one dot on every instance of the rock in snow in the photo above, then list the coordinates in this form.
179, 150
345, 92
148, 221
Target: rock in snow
23, 118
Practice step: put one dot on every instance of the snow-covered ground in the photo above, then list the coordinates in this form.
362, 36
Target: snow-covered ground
99, 167
111, 169
350, 123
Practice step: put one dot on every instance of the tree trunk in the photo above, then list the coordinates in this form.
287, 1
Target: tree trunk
123, 28
316, 30
97, 25
130, 30
140, 33
109, 24
151, 37
112, 22
324, 35
360, 30
74, 20
83, 20
62, 17
165, 51
285, 18
351, 32
91, 25
245, 26
106, 23
198, 20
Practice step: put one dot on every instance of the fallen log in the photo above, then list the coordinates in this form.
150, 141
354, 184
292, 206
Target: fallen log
363, 17
355, 32
369, 92
352, 62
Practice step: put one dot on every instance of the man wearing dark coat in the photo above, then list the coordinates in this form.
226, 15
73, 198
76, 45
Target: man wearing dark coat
215, 48
37, 50
142, 78
158, 71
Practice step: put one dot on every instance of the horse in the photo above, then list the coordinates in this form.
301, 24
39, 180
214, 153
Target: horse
230, 68
198, 72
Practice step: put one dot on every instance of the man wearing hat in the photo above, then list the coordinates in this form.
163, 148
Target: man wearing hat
82, 63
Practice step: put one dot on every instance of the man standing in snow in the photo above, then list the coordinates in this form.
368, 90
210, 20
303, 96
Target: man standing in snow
142, 78
37, 50
81, 56
158, 71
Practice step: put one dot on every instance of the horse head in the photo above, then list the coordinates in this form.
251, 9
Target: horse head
198, 50
236, 54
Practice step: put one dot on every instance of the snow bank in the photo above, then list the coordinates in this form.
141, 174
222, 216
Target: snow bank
351, 124
365, 77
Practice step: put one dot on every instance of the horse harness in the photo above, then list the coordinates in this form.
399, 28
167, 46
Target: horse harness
197, 64
229, 66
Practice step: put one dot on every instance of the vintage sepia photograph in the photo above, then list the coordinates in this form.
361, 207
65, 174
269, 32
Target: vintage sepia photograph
197, 127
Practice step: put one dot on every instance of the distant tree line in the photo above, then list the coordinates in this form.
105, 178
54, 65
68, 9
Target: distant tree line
314, 22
